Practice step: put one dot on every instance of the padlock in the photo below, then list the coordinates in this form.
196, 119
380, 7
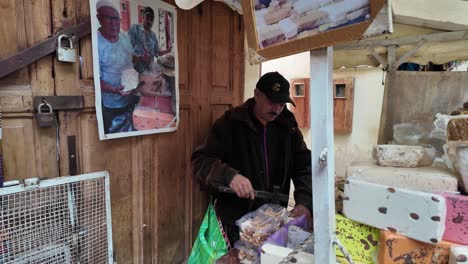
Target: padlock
45, 119
65, 54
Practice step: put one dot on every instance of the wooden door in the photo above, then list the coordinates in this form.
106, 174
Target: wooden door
157, 206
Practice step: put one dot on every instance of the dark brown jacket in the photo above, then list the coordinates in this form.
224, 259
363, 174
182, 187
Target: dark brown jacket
268, 155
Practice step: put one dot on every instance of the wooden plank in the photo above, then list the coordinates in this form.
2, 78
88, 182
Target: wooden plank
220, 53
38, 28
171, 181
82, 14
238, 57
18, 148
321, 114
9, 31
200, 28
114, 156
66, 83
137, 178
418, 96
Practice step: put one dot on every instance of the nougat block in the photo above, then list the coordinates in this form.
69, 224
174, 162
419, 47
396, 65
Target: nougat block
397, 249
360, 240
458, 255
456, 220
417, 215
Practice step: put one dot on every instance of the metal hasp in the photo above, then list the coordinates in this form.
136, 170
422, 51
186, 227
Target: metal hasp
59, 103
323, 175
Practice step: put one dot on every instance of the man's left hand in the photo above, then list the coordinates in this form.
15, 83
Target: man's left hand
300, 210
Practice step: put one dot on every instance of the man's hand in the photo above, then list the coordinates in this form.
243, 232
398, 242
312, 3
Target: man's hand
242, 187
146, 57
119, 90
300, 210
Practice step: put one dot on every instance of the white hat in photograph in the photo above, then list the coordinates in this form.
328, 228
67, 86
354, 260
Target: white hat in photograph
187, 4
102, 3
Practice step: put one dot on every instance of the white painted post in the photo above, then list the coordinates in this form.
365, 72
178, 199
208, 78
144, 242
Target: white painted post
323, 179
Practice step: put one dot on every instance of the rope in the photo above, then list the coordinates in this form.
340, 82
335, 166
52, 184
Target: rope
348, 257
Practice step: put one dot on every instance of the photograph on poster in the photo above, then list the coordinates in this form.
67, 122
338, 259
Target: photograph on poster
135, 67
279, 21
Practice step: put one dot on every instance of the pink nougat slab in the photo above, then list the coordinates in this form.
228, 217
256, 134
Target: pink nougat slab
417, 215
456, 221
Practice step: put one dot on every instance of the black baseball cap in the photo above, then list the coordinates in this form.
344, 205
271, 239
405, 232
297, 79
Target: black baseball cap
148, 11
275, 87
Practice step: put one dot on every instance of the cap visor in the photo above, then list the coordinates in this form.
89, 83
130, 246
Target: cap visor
291, 101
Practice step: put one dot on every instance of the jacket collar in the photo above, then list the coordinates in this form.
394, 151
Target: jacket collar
244, 113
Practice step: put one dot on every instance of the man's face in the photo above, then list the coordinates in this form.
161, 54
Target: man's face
109, 20
148, 21
266, 110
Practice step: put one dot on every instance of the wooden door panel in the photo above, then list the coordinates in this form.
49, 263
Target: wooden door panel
157, 206
18, 148
114, 156
173, 167
221, 61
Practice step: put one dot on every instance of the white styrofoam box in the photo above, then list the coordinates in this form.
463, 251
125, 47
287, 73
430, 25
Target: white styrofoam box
458, 255
417, 215
427, 179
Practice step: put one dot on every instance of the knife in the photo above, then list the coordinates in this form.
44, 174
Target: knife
274, 197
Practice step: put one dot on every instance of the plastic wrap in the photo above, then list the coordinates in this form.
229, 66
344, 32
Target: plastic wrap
247, 252
280, 237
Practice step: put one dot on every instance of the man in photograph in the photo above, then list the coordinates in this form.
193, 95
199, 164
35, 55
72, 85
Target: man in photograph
115, 55
145, 41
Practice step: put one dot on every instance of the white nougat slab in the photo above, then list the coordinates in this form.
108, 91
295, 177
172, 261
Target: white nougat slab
458, 255
417, 215
426, 179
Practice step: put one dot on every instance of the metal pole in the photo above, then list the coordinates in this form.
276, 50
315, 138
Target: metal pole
323, 179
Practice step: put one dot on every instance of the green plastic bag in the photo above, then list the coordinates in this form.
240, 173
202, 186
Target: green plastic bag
210, 243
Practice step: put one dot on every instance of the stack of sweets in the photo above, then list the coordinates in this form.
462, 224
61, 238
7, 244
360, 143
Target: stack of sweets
415, 205
255, 227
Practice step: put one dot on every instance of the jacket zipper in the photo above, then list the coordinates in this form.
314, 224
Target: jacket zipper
267, 169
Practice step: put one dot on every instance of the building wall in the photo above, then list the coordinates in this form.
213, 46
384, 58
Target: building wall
368, 96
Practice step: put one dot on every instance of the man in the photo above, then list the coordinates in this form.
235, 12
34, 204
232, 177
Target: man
145, 42
115, 56
256, 146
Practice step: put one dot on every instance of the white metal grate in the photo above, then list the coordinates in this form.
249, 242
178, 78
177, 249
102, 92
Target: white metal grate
62, 220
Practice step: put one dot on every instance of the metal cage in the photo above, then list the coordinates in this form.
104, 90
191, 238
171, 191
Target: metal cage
61, 220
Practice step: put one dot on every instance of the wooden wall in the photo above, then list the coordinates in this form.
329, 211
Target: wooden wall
410, 96
156, 204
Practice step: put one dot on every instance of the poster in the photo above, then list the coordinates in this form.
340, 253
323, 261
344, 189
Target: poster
135, 67
282, 21
278, 28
